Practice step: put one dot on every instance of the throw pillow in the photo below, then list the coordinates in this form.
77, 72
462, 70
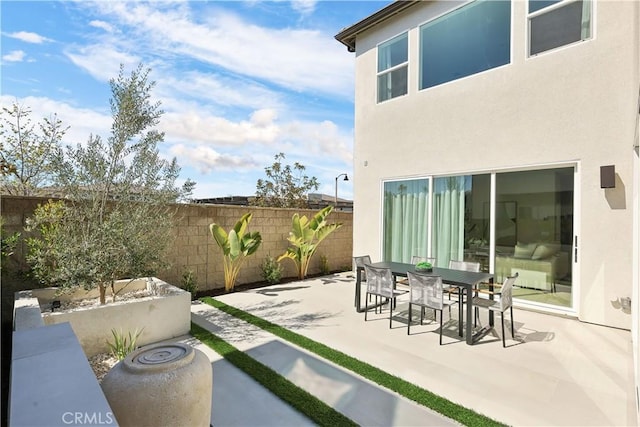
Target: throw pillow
524, 250
544, 251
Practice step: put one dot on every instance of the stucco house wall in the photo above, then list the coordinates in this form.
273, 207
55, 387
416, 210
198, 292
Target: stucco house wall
576, 105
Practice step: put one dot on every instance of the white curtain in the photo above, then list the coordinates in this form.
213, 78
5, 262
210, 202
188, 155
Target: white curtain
406, 220
448, 220
406, 225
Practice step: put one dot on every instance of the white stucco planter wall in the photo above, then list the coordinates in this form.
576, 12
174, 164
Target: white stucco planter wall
162, 316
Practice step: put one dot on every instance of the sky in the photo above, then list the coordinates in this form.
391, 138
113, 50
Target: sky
238, 81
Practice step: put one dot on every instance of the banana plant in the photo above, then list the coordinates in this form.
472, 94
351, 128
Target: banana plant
236, 246
305, 237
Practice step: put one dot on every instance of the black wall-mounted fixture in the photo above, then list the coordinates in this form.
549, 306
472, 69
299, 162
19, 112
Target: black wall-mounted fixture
55, 304
608, 176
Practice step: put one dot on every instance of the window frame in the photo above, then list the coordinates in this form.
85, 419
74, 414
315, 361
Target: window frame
550, 9
452, 10
548, 307
390, 70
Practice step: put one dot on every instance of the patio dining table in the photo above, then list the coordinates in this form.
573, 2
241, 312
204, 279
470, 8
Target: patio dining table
460, 278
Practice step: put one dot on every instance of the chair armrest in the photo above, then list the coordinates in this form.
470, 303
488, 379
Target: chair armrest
398, 292
486, 286
488, 292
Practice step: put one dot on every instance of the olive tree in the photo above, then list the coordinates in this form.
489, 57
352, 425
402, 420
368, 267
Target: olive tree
8, 243
285, 186
115, 221
27, 152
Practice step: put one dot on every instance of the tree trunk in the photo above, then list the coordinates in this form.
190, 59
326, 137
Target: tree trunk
103, 291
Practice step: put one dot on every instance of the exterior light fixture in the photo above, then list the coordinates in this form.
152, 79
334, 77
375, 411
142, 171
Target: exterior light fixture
346, 178
608, 176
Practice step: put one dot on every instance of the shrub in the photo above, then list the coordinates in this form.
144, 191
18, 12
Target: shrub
8, 243
236, 246
189, 283
123, 345
271, 270
324, 265
305, 236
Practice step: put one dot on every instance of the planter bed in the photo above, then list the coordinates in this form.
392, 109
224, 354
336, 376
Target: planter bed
162, 314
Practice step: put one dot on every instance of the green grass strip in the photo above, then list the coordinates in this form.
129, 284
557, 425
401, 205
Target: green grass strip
306, 403
411, 391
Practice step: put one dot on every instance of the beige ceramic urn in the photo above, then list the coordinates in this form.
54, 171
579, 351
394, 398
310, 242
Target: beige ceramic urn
161, 385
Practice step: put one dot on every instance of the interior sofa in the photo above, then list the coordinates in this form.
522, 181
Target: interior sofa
539, 265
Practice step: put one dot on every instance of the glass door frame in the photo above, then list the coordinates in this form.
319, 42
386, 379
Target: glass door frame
573, 255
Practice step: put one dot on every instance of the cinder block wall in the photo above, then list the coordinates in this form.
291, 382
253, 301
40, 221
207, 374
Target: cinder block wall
194, 249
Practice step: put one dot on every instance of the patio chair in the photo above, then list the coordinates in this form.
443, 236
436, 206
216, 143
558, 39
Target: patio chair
360, 261
426, 291
380, 284
500, 305
460, 265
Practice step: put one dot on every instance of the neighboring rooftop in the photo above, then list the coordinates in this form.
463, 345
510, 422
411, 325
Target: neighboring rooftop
314, 200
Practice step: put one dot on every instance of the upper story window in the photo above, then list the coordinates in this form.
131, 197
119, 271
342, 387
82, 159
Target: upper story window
466, 41
393, 62
553, 24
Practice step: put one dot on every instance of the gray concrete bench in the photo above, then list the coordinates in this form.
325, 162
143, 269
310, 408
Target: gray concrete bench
52, 383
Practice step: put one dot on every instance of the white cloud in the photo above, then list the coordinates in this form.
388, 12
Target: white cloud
213, 88
219, 78
14, 56
198, 127
319, 139
206, 159
305, 7
82, 121
197, 139
261, 132
296, 59
264, 118
101, 60
102, 24
29, 37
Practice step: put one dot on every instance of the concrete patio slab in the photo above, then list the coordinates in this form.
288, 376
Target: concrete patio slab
238, 400
557, 372
357, 398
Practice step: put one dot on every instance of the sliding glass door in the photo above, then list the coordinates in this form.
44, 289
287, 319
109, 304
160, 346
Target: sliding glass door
460, 220
534, 233
406, 219
528, 230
